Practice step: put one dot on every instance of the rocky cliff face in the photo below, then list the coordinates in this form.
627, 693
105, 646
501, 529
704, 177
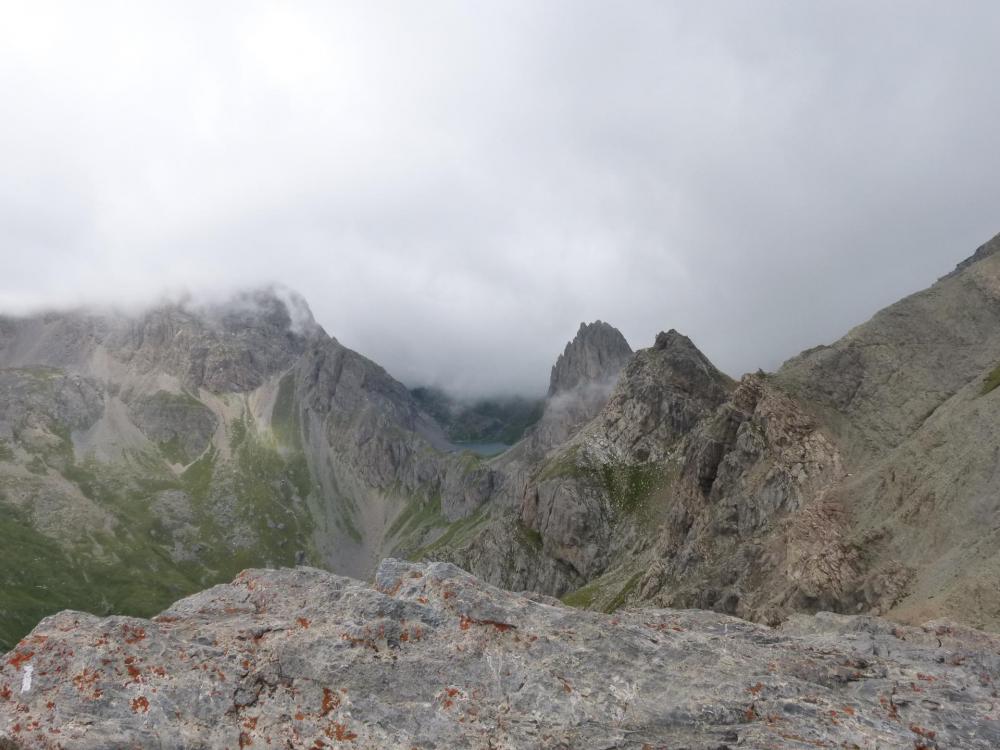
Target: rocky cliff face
663, 393
595, 356
859, 477
145, 456
431, 657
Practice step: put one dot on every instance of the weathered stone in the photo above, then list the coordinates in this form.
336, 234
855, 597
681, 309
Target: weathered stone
596, 354
431, 657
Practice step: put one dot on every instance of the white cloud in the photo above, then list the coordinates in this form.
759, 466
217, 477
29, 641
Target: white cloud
455, 186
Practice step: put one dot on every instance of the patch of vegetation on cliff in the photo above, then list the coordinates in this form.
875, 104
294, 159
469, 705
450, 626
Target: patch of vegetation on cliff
563, 465
125, 569
197, 478
627, 486
607, 593
457, 533
529, 537
419, 518
237, 432
84, 476
245, 512
630, 485
584, 596
992, 381
37, 578
621, 597
271, 489
37, 466
41, 372
173, 450
179, 424
285, 416
418, 515
345, 522
286, 427
182, 401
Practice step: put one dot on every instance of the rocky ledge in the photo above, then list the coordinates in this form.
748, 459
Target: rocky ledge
430, 657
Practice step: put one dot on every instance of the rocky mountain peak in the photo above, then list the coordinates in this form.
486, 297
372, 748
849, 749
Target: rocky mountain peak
274, 307
662, 393
228, 345
677, 354
597, 353
673, 339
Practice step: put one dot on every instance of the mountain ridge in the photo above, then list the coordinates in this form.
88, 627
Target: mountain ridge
154, 454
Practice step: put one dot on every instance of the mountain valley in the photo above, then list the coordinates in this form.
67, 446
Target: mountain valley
146, 457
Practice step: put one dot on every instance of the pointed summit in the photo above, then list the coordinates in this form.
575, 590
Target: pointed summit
596, 354
677, 354
661, 395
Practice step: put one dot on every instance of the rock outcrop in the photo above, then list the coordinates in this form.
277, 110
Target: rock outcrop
860, 477
431, 657
595, 356
664, 391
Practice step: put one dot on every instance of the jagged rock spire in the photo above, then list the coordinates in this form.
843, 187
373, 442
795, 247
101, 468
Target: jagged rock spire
597, 353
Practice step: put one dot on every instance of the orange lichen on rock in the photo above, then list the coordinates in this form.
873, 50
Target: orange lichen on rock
331, 701
20, 658
133, 633
340, 732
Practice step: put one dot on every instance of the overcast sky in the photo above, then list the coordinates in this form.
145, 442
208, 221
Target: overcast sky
454, 186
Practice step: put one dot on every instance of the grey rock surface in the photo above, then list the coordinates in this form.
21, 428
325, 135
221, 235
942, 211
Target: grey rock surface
860, 477
663, 392
429, 657
596, 354
146, 455
177, 421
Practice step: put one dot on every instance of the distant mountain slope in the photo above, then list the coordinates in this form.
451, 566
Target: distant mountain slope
911, 397
860, 477
879, 383
144, 457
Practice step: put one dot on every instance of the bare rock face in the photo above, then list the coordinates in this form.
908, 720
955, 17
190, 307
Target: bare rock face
144, 456
982, 252
583, 378
878, 384
431, 657
41, 399
231, 346
860, 477
226, 347
178, 422
663, 392
595, 355
577, 497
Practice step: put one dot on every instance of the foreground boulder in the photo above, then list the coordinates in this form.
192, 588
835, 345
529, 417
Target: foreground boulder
429, 657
